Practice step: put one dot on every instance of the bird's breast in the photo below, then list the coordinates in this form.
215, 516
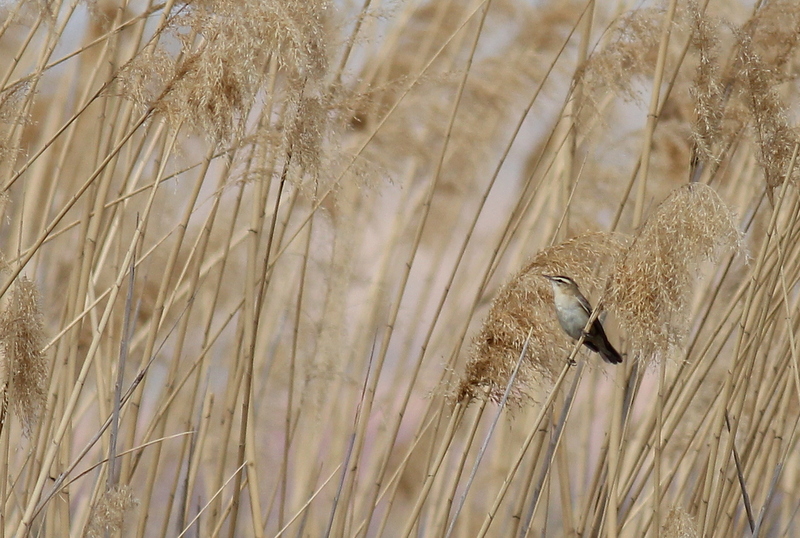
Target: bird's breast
571, 316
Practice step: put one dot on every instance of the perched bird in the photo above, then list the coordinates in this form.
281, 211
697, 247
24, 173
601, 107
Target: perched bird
573, 311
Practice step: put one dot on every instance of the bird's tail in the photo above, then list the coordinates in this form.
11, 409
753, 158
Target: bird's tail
608, 353
598, 342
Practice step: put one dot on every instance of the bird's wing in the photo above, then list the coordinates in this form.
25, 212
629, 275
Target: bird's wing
585, 304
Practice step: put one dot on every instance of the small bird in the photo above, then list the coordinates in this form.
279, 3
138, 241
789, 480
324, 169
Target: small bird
573, 311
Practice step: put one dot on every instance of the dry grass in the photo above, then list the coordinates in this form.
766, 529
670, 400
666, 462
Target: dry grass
269, 268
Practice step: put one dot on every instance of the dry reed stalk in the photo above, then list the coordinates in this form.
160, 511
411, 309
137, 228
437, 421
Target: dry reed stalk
544, 473
457, 264
655, 96
453, 423
708, 498
441, 516
676, 407
416, 242
738, 402
669, 262
26, 521
575, 103
193, 283
157, 428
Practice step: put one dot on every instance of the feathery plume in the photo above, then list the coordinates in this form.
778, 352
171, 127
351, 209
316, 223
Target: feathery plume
224, 61
649, 289
21, 339
630, 50
525, 302
109, 512
707, 89
775, 138
679, 524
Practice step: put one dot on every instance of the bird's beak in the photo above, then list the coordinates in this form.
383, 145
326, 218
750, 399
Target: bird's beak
548, 277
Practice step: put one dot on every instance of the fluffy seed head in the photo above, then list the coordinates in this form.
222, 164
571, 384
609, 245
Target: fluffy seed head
679, 524
21, 340
225, 52
525, 304
109, 513
629, 50
650, 286
775, 138
707, 89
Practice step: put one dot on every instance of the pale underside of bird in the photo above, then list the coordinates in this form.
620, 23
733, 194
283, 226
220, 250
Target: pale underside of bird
573, 311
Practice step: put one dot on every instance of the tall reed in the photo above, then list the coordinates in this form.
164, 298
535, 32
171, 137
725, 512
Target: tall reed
274, 268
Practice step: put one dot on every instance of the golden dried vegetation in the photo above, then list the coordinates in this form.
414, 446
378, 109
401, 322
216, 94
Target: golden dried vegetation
274, 267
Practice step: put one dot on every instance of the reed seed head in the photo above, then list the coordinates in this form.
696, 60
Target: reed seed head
109, 513
775, 138
650, 287
525, 304
679, 524
21, 340
225, 52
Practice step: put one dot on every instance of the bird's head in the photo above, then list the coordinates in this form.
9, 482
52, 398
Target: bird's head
561, 282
